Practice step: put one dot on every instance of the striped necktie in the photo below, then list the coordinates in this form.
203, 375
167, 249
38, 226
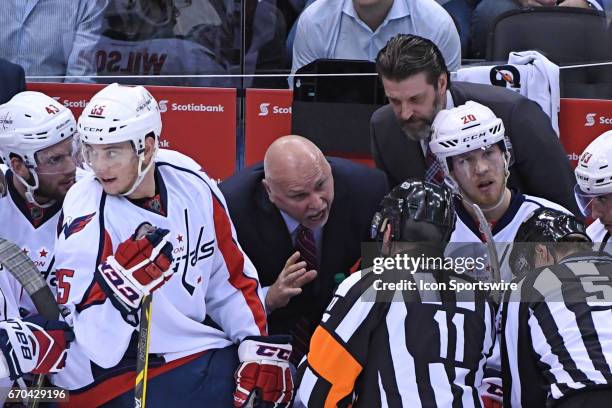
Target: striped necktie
305, 243
433, 170
301, 332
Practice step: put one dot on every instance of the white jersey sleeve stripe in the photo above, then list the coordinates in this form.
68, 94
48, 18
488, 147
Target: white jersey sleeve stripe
235, 263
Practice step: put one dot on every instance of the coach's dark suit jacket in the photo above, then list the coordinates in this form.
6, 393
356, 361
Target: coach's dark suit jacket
12, 80
264, 237
541, 166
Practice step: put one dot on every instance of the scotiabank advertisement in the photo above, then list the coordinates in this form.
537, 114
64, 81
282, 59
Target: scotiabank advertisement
267, 117
199, 122
580, 122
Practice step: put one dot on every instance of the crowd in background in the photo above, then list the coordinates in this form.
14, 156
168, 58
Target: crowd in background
92, 40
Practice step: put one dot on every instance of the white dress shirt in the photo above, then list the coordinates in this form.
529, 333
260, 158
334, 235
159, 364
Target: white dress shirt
332, 29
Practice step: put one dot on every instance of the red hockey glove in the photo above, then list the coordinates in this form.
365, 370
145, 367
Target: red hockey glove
33, 345
263, 377
491, 392
140, 265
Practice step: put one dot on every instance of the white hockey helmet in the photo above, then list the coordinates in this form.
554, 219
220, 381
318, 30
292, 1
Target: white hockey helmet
118, 114
465, 128
594, 171
30, 122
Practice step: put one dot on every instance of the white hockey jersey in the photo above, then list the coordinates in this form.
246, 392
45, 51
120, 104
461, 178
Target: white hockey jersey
529, 73
467, 233
213, 278
599, 235
159, 56
33, 229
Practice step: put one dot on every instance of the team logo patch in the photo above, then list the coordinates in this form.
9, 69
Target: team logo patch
77, 224
6, 121
505, 76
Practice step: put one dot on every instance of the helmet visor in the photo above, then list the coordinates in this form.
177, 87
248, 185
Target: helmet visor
107, 156
490, 156
586, 202
57, 159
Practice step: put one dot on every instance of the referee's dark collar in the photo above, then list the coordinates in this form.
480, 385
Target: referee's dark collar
587, 256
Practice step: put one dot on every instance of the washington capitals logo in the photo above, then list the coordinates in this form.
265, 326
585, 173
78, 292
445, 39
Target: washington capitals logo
505, 75
77, 224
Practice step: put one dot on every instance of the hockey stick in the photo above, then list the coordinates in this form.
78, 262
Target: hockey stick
3, 187
144, 334
491, 249
142, 358
28, 275
486, 231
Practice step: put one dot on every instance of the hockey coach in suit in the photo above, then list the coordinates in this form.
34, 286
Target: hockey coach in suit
299, 200
417, 84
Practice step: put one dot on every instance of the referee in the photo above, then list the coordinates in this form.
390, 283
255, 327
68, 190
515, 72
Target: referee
557, 326
426, 347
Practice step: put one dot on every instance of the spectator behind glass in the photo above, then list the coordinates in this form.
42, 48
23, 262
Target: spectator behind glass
264, 39
189, 37
12, 81
140, 38
461, 12
51, 37
487, 11
358, 29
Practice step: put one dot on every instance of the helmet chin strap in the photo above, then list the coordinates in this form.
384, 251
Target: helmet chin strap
141, 172
29, 194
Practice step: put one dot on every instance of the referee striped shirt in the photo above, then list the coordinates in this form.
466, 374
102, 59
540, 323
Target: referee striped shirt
425, 348
557, 332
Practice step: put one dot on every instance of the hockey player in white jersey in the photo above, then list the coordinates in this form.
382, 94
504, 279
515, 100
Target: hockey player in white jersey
36, 144
206, 297
470, 144
594, 188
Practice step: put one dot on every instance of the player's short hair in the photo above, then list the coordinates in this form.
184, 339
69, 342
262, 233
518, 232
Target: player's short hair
561, 233
406, 55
